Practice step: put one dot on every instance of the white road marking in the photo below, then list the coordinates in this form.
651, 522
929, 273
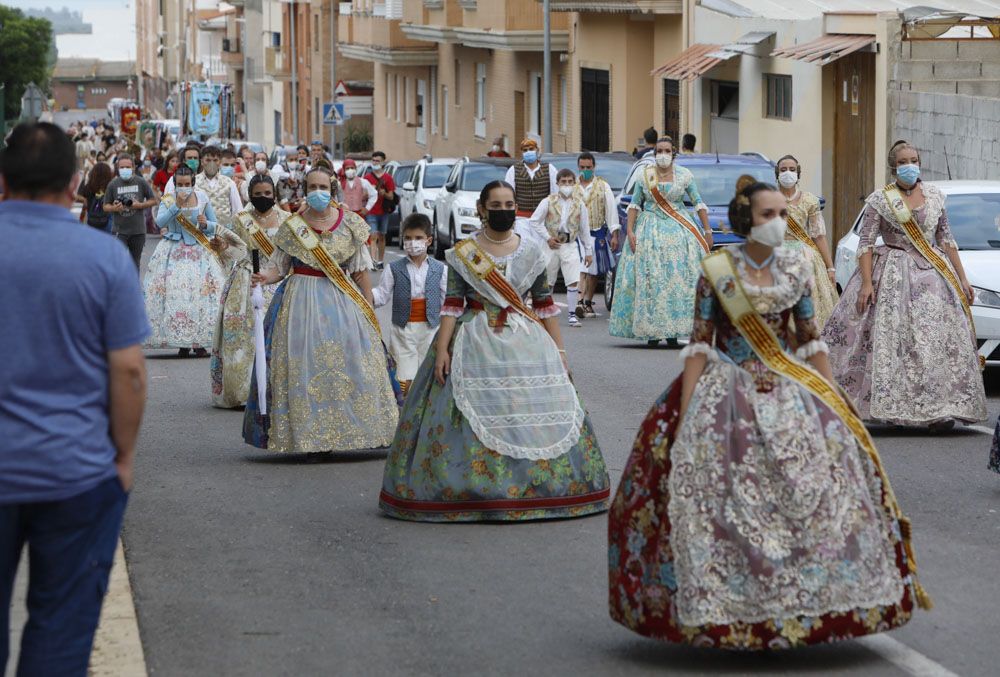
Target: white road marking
980, 429
903, 657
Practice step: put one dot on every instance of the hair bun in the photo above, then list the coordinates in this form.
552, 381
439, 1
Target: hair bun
744, 182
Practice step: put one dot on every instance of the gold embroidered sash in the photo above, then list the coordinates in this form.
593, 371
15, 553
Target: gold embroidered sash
192, 229
905, 218
801, 235
722, 274
481, 265
256, 233
308, 238
654, 189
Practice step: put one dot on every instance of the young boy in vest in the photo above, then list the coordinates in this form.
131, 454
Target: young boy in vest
359, 195
416, 287
221, 190
562, 221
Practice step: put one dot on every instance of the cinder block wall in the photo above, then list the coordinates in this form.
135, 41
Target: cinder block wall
970, 67
954, 130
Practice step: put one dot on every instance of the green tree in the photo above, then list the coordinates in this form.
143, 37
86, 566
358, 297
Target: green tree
25, 48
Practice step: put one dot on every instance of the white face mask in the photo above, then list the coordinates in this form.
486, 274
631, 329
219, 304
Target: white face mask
664, 160
788, 178
350, 173
260, 166
415, 247
566, 191
770, 234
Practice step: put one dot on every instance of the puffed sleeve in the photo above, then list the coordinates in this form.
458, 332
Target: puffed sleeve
695, 196
870, 225
703, 334
807, 334
638, 197
237, 249
454, 298
943, 233
541, 297
360, 261
280, 261
815, 225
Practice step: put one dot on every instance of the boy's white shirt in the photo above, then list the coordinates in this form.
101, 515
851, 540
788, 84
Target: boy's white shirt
418, 282
537, 223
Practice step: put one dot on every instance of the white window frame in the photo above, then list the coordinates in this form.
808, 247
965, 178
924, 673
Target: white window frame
480, 112
399, 95
534, 104
420, 119
406, 100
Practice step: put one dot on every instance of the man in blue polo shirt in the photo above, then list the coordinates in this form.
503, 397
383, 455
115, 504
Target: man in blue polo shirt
72, 392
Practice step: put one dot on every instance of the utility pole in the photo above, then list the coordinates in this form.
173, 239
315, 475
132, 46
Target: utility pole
547, 79
295, 78
333, 71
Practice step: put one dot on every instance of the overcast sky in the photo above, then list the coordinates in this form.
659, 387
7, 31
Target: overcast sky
113, 38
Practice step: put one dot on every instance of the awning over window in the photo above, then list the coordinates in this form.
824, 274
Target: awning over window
693, 62
826, 48
745, 44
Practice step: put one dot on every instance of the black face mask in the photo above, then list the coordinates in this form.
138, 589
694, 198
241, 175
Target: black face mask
501, 220
262, 203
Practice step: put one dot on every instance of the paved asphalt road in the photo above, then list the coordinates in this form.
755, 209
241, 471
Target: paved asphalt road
245, 563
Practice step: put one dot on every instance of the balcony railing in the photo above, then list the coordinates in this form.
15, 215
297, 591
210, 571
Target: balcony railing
346, 8
275, 65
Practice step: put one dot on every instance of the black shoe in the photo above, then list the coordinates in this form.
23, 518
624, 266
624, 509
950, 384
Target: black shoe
184, 352
654, 343
672, 343
200, 352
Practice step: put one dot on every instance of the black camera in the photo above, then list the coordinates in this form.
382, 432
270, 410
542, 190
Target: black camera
127, 202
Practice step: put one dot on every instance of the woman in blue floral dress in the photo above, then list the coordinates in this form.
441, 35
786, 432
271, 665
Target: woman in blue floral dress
656, 276
493, 428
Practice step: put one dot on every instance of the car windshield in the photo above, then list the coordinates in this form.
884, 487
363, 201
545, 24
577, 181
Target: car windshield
974, 219
402, 175
717, 182
475, 177
615, 172
436, 175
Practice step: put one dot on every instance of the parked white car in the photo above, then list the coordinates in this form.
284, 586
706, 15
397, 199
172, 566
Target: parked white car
974, 216
418, 194
455, 215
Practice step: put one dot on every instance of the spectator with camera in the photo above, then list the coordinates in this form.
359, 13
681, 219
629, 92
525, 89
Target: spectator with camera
126, 199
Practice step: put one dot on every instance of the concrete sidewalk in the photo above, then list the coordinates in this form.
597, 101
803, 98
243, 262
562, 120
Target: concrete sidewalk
117, 647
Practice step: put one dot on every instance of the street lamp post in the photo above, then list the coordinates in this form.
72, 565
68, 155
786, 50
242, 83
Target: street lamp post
547, 78
295, 78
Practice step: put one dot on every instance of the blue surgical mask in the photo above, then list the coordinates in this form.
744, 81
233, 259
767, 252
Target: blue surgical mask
125, 173
318, 199
908, 174
587, 174
530, 156
184, 192
227, 170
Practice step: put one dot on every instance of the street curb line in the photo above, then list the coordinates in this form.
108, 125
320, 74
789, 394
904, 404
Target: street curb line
903, 657
117, 646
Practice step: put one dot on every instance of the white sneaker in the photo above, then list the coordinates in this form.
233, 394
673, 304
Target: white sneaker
573, 322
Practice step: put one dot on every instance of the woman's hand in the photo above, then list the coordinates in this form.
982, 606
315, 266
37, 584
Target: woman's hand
269, 276
866, 297
442, 366
218, 244
202, 221
164, 231
970, 294
631, 240
708, 238
832, 274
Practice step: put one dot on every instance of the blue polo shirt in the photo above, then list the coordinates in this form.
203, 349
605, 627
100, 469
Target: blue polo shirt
69, 294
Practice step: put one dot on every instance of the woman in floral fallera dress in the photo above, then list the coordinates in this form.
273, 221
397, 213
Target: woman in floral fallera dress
492, 427
901, 344
750, 516
184, 279
233, 346
654, 282
329, 388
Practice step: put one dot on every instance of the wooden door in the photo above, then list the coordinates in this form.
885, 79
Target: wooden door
672, 110
518, 122
854, 139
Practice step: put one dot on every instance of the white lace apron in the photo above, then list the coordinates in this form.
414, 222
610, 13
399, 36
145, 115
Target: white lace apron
511, 385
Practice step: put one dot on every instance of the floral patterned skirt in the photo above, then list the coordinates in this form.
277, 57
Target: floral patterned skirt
720, 532
182, 288
654, 286
232, 345
439, 471
329, 384
910, 358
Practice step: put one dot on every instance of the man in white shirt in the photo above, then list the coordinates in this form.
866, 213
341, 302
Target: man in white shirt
602, 208
221, 190
562, 222
533, 182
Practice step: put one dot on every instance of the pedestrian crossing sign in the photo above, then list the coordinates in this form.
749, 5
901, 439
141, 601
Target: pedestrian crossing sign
333, 114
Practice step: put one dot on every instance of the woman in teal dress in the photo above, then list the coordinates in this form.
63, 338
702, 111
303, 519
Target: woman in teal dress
493, 428
659, 268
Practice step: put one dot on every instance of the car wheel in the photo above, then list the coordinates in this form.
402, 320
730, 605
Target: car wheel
609, 288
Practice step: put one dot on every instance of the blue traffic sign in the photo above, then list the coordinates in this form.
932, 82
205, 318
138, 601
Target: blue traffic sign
333, 114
